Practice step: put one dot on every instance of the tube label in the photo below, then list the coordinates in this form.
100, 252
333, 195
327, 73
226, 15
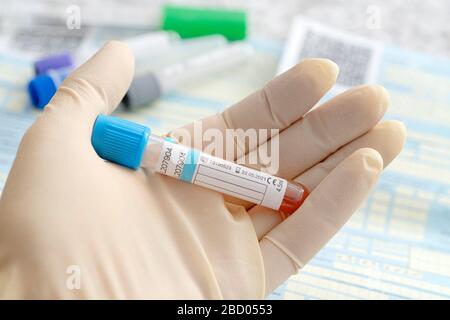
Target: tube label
226, 177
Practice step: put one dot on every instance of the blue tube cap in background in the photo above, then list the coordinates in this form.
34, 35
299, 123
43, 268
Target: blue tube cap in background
41, 90
120, 141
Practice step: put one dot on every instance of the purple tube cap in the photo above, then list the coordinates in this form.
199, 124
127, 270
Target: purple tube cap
58, 61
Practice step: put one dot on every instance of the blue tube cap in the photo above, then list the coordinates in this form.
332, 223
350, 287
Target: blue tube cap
53, 62
41, 90
120, 141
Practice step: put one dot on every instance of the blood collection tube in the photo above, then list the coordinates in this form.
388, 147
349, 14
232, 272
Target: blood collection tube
149, 86
132, 145
142, 46
51, 70
147, 49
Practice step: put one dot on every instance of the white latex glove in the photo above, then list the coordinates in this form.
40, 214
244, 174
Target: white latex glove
137, 236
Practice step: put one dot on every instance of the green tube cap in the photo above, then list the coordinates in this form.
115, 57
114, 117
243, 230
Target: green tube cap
191, 22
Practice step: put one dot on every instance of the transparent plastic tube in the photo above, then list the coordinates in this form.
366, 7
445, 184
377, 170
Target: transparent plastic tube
149, 49
160, 58
142, 46
149, 86
132, 145
204, 64
172, 159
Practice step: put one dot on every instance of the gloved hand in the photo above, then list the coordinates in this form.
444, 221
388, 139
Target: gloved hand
75, 226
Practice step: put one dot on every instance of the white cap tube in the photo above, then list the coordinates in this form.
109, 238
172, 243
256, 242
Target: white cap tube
148, 87
142, 45
210, 62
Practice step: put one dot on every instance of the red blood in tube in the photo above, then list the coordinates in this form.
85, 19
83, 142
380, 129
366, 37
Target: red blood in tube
293, 198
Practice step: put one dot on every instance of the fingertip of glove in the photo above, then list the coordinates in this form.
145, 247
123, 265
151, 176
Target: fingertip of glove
324, 71
394, 135
399, 130
328, 66
119, 45
371, 159
358, 172
121, 52
373, 99
379, 94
